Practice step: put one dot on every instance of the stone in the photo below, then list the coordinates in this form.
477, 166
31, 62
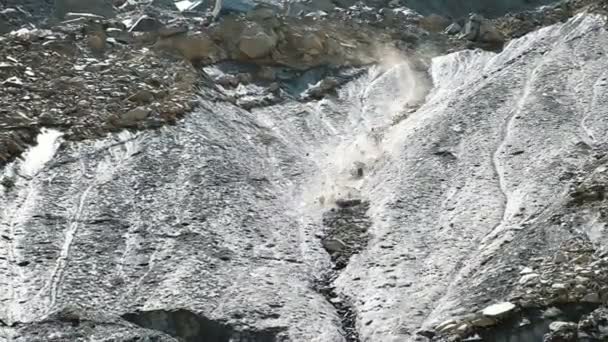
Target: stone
446, 325
310, 44
434, 23
255, 42
561, 326
559, 287
526, 270
528, 278
134, 116
333, 245
578, 288
499, 309
453, 29
142, 97
323, 87
14, 82
463, 329
483, 321
346, 203
489, 34
228, 80
99, 7
146, 24
559, 258
591, 298
261, 13
552, 312
198, 47
267, 73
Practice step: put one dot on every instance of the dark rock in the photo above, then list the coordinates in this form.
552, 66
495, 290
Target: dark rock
146, 24
345, 203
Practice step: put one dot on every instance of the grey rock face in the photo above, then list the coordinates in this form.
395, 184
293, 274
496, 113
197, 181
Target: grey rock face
212, 226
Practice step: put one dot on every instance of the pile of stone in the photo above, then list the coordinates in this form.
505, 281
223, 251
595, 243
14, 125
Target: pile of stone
96, 69
575, 274
71, 80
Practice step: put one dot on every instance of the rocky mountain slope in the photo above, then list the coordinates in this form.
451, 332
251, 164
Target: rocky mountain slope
345, 175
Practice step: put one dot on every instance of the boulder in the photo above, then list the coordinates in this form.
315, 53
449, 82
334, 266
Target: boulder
196, 47
333, 245
472, 27
489, 34
132, 117
498, 310
310, 44
592, 298
256, 42
561, 326
100, 7
434, 23
322, 88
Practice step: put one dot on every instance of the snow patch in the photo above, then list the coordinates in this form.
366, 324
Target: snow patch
35, 158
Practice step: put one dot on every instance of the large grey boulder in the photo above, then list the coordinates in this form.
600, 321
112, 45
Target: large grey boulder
256, 42
99, 7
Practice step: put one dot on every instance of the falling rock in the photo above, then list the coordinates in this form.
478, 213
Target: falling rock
100, 7
498, 310
255, 42
333, 245
347, 202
